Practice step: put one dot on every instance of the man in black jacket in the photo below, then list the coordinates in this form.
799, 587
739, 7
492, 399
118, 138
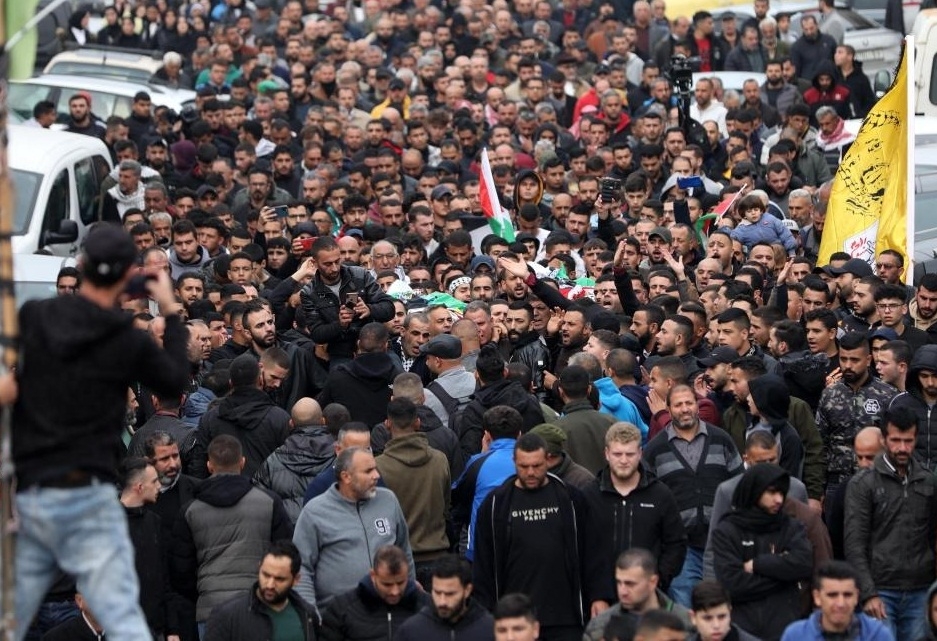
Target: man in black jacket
139, 487
246, 413
363, 385
84, 354
340, 300
379, 605
494, 389
534, 535
632, 509
271, 609
454, 613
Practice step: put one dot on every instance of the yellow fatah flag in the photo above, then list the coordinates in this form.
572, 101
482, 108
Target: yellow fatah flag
868, 207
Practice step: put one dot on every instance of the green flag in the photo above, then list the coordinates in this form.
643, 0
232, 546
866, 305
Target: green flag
22, 57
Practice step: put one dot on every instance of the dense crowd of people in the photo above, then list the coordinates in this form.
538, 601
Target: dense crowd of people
337, 406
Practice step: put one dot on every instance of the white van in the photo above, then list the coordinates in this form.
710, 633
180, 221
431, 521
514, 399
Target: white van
57, 178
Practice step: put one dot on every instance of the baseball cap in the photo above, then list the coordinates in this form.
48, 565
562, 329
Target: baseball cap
884, 332
854, 266
565, 59
791, 224
482, 260
108, 253
306, 227
441, 191
397, 83
552, 435
664, 233
602, 69
719, 355
728, 15
444, 346
205, 189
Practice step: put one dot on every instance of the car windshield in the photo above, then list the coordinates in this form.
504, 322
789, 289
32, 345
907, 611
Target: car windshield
25, 185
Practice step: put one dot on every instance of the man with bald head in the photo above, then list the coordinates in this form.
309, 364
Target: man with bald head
869, 442
467, 331
308, 450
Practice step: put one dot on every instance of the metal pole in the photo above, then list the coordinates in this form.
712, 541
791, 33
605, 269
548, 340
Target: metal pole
8, 334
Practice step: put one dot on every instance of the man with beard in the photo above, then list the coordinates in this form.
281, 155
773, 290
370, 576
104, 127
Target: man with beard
923, 309
861, 301
804, 373
336, 530
692, 468
645, 324
453, 613
775, 91
271, 609
290, 372
673, 339
890, 515
846, 406
526, 346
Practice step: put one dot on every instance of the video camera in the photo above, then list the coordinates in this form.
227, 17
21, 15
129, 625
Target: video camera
681, 75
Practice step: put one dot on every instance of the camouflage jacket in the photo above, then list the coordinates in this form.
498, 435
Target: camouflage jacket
842, 412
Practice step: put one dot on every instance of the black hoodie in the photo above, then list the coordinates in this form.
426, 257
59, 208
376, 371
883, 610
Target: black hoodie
773, 400
504, 392
363, 386
77, 361
926, 449
248, 414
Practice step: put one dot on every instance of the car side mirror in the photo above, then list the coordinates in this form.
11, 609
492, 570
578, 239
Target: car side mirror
881, 82
67, 233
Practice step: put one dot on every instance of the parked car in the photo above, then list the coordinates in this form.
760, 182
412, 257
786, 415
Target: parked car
56, 177
875, 10
108, 97
34, 276
106, 62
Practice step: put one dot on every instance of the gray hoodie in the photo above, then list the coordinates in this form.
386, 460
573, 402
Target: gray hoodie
337, 539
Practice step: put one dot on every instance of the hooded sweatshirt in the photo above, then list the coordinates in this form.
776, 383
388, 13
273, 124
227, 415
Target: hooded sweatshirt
362, 615
538, 198
248, 414
337, 539
615, 403
503, 392
178, 267
76, 362
293, 465
419, 476
773, 401
363, 386
925, 359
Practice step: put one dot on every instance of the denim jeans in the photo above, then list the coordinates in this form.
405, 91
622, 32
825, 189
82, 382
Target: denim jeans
905, 610
692, 573
83, 531
50, 615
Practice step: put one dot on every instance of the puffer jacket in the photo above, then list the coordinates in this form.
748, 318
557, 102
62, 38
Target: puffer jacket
889, 527
476, 624
361, 615
613, 402
320, 309
504, 392
913, 398
292, 466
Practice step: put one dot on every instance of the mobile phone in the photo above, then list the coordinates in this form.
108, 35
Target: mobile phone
281, 211
611, 190
136, 286
351, 299
306, 243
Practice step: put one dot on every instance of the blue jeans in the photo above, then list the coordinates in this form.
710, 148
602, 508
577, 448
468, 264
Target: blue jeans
692, 573
83, 531
50, 615
906, 612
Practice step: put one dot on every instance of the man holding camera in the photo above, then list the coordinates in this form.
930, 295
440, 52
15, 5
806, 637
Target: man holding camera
79, 356
339, 301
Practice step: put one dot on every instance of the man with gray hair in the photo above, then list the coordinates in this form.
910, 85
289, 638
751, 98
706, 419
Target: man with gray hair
126, 194
336, 530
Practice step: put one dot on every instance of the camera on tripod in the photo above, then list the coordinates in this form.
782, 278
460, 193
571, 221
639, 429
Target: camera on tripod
681, 72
